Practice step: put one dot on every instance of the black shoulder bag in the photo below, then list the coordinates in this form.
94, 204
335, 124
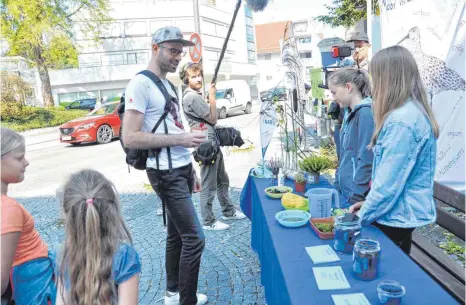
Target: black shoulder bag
137, 158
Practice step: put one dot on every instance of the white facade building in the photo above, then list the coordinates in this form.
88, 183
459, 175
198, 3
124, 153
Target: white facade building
307, 33
105, 69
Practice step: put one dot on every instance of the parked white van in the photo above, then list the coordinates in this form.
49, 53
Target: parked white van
233, 96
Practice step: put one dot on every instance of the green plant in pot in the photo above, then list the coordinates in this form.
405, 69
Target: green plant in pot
314, 165
299, 183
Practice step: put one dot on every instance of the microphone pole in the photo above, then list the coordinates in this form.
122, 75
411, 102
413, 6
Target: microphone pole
225, 43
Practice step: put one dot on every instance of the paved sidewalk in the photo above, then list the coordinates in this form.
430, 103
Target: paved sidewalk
230, 271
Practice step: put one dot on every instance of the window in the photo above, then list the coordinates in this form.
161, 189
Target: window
305, 55
251, 57
300, 27
267, 56
268, 77
157, 24
208, 28
112, 94
135, 28
106, 109
305, 40
137, 58
110, 30
112, 59
67, 97
249, 21
185, 25
247, 11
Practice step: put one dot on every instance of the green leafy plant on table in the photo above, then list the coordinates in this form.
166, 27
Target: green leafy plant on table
325, 227
314, 165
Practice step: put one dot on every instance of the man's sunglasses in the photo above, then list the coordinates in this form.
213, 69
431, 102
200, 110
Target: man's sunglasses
174, 52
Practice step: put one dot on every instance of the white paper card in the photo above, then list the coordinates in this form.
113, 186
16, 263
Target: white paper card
330, 278
322, 254
350, 299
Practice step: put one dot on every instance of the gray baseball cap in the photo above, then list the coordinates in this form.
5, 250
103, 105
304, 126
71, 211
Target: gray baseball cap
358, 36
170, 34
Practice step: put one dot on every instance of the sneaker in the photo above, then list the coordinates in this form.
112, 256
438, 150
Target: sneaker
237, 216
217, 226
159, 212
174, 299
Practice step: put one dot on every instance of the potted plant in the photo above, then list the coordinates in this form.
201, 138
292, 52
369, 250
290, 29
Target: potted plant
314, 165
299, 183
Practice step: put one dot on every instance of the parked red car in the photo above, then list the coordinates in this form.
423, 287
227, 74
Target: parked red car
101, 126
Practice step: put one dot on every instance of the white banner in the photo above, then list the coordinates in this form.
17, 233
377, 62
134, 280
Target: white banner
268, 124
434, 32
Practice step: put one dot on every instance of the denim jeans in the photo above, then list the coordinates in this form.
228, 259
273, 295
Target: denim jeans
185, 237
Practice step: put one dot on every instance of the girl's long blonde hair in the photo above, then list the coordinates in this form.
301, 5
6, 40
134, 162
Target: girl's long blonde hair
94, 230
396, 79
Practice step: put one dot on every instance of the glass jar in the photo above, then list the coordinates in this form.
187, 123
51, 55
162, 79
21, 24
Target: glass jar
366, 258
390, 292
346, 234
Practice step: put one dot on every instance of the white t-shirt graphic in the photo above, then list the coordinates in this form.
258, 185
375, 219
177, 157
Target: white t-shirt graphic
143, 95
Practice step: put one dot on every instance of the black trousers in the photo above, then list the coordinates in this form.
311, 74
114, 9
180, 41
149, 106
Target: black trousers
185, 237
402, 237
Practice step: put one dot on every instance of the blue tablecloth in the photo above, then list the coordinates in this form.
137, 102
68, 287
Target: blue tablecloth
287, 268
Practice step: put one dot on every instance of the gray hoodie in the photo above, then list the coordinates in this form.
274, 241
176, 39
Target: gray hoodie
355, 159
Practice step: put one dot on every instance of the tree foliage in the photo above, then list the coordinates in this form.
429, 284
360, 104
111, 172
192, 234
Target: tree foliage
346, 13
43, 31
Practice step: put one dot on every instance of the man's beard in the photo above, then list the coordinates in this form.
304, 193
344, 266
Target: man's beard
167, 65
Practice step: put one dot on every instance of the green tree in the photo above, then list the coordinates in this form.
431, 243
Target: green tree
43, 30
346, 13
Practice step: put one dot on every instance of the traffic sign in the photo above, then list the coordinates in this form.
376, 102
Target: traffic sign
195, 52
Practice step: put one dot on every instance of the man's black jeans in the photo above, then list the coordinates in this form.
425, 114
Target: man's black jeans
185, 237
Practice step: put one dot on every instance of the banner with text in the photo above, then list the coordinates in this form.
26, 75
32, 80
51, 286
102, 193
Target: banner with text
434, 32
268, 124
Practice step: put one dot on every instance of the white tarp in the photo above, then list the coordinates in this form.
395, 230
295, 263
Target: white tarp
434, 32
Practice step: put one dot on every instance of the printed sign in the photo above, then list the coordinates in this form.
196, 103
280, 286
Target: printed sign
195, 52
268, 124
434, 32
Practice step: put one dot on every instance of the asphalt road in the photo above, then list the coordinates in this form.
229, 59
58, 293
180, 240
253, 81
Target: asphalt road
51, 162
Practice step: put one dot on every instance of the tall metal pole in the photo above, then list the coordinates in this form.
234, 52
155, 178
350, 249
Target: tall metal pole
197, 20
369, 27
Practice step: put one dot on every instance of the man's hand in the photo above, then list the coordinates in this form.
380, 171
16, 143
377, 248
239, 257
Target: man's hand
356, 207
212, 91
192, 139
197, 184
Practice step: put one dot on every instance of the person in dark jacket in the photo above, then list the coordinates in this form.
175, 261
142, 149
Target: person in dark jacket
351, 88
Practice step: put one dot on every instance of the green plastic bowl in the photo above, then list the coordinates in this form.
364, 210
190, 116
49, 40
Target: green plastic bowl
277, 196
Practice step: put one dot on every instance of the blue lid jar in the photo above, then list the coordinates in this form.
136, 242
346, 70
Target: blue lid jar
346, 233
366, 258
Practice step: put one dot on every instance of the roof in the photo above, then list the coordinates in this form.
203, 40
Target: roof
268, 36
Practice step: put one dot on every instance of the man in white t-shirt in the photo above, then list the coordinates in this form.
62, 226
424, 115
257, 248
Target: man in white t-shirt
174, 179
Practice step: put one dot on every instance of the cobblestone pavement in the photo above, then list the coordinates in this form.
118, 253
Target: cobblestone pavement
230, 271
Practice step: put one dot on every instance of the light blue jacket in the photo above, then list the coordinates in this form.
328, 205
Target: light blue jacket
403, 171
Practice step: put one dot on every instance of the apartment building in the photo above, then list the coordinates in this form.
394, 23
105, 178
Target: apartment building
307, 34
125, 48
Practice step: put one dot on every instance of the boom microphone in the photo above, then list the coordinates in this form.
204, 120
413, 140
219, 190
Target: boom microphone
254, 5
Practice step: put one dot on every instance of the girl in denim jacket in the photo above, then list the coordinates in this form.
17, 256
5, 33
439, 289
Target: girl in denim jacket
404, 145
99, 265
351, 89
